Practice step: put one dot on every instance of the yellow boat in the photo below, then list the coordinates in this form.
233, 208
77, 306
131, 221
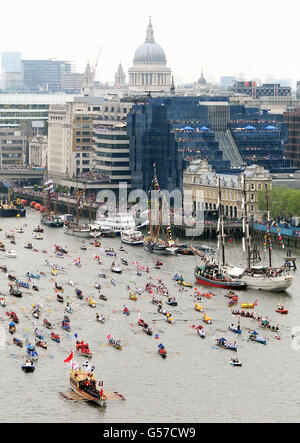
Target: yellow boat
85, 385
247, 305
207, 319
170, 319
198, 307
132, 297
92, 303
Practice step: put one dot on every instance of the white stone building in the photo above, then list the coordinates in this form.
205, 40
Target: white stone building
38, 147
150, 71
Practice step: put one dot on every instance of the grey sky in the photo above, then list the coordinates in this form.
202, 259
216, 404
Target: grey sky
258, 37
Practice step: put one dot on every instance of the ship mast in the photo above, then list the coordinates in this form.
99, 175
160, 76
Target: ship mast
246, 236
268, 225
221, 236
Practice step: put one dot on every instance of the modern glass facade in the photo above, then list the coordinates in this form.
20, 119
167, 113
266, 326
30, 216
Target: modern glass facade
44, 75
157, 134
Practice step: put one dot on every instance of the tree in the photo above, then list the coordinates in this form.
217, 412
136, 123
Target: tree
284, 202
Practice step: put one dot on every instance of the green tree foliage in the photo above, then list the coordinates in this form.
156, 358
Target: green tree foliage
284, 202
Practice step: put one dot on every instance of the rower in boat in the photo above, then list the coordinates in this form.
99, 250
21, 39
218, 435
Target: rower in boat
55, 337
69, 308
162, 351
18, 342
126, 310
59, 288
79, 294
171, 301
28, 366
281, 309
12, 328
47, 324
92, 302
59, 298
100, 318
28, 245
102, 297
41, 343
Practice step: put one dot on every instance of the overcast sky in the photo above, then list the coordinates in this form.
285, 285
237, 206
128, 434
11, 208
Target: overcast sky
259, 38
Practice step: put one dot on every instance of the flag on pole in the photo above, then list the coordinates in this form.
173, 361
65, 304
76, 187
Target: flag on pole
108, 337
68, 359
156, 336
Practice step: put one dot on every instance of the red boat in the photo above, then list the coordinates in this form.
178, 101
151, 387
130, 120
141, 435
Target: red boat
281, 310
55, 337
204, 277
13, 316
83, 349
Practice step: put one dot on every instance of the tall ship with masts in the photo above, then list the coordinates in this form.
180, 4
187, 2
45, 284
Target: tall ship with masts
154, 243
268, 278
72, 225
211, 273
50, 218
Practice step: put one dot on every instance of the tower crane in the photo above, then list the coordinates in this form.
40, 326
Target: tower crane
94, 68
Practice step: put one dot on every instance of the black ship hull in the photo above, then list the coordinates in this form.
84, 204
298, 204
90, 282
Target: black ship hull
12, 212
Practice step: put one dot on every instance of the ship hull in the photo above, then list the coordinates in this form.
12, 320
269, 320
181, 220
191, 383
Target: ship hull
81, 233
12, 212
276, 284
220, 284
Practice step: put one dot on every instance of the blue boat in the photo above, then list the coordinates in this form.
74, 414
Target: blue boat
31, 352
28, 366
236, 331
31, 275
22, 284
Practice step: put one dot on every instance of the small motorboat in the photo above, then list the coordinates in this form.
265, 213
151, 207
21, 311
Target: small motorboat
126, 311
36, 313
235, 330
38, 237
115, 343
3, 269
60, 250
198, 307
11, 253
83, 349
31, 351
66, 325
14, 291
18, 342
281, 309
98, 285
55, 337
28, 366
207, 319
115, 268
38, 335
47, 324
11, 277
12, 328
171, 301
201, 333
41, 343
83, 246
68, 308
79, 294
235, 362
19, 230
184, 284
113, 282
32, 275
35, 287
132, 296
102, 297
100, 318
124, 262
38, 229
255, 337
59, 298
13, 316
102, 275
92, 303
2, 302
162, 351
59, 287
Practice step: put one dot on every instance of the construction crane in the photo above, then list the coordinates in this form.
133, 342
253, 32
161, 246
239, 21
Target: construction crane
94, 68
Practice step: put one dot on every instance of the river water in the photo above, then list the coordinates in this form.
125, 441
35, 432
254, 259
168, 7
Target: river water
195, 383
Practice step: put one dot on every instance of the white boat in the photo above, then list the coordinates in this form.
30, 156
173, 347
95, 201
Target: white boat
79, 230
133, 238
11, 253
19, 230
267, 280
38, 237
120, 222
115, 269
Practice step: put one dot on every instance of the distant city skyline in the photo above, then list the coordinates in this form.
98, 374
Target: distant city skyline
225, 39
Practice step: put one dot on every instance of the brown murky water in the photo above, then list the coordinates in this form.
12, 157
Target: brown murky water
194, 384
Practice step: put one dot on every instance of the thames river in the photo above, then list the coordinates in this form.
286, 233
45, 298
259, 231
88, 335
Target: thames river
195, 383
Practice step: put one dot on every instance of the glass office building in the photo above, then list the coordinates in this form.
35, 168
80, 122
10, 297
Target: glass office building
44, 75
